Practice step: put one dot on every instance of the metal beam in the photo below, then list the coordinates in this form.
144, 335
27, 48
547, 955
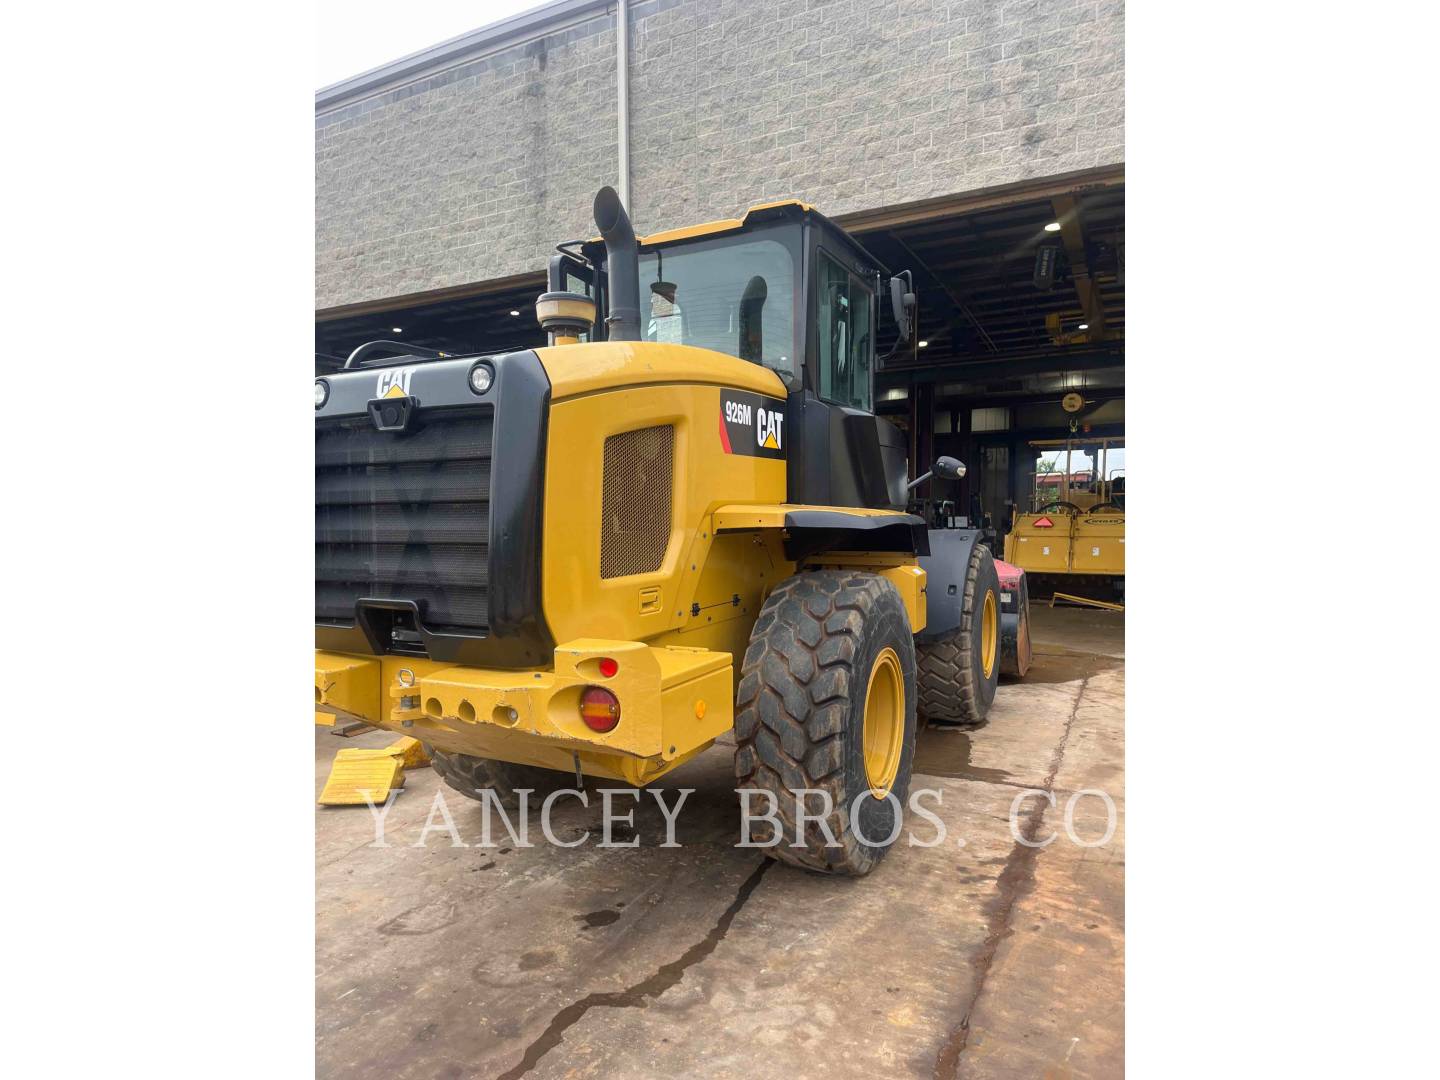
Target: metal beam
1018, 400
959, 304
1067, 212
991, 198
520, 282
1048, 364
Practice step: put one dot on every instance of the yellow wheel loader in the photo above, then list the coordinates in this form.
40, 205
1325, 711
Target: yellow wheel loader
679, 518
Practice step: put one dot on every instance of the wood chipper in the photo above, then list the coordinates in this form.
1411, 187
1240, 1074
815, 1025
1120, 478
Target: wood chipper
679, 518
1074, 533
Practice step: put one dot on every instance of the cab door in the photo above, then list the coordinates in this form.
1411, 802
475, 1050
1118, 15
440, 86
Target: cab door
845, 455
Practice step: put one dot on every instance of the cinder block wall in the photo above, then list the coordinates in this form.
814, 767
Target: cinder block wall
475, 173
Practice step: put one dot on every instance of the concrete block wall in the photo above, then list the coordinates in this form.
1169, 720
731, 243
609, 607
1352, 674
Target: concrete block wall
858, 104
467, 176
848, 104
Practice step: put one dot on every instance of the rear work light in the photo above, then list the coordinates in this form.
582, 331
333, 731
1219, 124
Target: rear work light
600, 709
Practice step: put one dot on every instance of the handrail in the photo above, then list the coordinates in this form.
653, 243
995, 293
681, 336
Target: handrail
400, 348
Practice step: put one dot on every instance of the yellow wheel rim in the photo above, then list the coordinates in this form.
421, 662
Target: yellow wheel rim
989, 634
883, 731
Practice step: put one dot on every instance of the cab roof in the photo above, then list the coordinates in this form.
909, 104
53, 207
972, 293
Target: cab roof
759, 212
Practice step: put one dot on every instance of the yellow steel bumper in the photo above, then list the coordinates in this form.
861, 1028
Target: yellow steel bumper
673, 703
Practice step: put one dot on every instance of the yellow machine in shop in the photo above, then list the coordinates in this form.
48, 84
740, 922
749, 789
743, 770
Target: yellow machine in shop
1076, 523
677, 520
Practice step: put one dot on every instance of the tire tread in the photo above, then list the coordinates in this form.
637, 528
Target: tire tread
793, 701
945, 670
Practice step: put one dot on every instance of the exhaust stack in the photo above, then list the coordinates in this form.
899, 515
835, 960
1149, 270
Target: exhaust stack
622, 261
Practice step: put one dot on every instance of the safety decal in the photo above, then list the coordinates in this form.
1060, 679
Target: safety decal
752, 424
1043, 523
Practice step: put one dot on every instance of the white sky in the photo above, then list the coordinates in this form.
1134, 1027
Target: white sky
1080, 458
354, 36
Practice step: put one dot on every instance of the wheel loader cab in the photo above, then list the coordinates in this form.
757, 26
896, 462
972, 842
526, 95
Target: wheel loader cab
784, 288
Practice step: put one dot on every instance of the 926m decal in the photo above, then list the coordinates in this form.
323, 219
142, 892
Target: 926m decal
751, 424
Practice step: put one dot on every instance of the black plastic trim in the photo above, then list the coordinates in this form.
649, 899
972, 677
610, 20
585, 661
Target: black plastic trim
813, 531
518, 635
393, 414
945, 567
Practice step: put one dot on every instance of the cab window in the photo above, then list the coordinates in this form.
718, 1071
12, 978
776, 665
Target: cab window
734, 294
844, 340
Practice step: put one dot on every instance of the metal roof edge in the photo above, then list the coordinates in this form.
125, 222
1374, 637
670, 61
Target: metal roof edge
505, 33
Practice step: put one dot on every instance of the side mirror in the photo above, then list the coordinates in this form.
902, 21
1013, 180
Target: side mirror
949, 468
903, 304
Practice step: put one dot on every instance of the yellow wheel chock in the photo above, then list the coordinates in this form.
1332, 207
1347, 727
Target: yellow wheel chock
411, 751
359, 776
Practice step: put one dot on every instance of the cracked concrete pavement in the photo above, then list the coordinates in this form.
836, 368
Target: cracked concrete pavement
991, 958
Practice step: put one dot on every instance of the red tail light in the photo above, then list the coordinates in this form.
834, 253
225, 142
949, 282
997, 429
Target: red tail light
608, 667
600, 709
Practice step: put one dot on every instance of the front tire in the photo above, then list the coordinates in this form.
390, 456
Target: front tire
958, 674
827, 704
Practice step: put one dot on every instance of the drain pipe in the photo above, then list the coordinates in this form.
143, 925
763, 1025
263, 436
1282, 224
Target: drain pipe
622, 94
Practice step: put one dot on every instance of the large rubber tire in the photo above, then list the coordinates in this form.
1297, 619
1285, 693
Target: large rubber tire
954, 686
468, 775
800, 715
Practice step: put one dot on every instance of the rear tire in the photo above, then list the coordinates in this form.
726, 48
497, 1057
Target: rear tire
468, 775
956, 684
1015, 648
827, 703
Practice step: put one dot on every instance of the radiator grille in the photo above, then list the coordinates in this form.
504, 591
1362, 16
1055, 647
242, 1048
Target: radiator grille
635, 501
405, 516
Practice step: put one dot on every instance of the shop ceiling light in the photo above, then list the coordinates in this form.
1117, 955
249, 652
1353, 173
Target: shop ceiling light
1083, 326
1054, 226
924, 344
513, 312
396, 330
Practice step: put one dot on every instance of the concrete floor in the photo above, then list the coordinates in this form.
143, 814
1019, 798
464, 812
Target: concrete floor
987, 959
